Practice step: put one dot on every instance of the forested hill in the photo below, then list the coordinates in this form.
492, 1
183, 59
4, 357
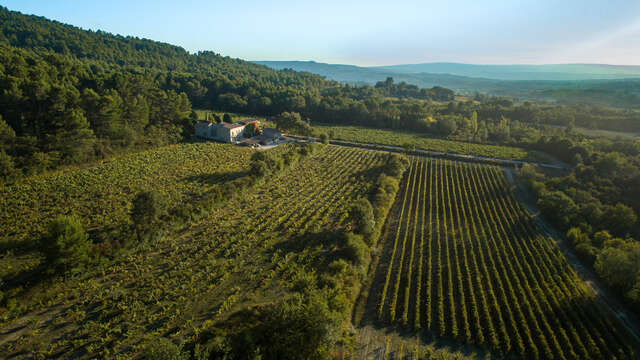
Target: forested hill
41, 34
35, 32
71, 95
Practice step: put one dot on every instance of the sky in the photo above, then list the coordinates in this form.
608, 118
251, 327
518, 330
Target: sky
371, 32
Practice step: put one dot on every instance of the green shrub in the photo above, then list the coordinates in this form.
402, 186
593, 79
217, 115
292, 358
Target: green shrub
355, 250
7, 168
302, 326
65, 245
396, 165
587, 252
361, 217
147, 208
558, 208
304, 281
164, 349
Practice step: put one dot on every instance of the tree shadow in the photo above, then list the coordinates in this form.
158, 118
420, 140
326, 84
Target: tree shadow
370, 173
216, 177
331, 242
17, 247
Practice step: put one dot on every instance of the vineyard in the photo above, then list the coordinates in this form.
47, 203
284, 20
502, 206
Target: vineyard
463, 260
180, 285
101, 195
399, 138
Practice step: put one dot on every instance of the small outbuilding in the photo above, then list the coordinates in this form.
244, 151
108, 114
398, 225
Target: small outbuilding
271, 133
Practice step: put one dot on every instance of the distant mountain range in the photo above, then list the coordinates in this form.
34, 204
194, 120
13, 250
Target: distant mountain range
558, 72
610, 85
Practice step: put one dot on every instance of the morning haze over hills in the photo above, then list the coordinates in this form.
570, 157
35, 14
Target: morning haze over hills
163, 201
496, 72
617, 85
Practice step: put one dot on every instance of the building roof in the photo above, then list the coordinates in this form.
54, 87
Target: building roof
271, 132
247, 121
232, 125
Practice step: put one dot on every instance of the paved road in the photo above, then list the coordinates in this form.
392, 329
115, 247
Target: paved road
462, 157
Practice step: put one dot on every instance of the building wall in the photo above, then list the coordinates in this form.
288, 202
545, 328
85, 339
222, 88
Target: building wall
202, 130
220, 133
236, 134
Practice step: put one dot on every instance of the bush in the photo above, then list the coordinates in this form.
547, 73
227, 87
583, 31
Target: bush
304, 281
558, 208
324, 138
361, 217
383, 195
396, 165
147, 208
302, 326
587, 252
576, 236
7, 168
164, 349
65, 245
409, 147
259, 169
529, 174
355, 250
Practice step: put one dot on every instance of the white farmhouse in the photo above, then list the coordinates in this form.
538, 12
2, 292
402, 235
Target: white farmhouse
226, 132
229, 132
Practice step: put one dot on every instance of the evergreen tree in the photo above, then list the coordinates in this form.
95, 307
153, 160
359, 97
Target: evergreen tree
147, 208
65, 245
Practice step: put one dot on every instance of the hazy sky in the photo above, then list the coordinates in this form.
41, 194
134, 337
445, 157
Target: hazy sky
371, 32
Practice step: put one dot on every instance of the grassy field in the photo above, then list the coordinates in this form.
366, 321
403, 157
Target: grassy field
462, 260
240, 254
400, 138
